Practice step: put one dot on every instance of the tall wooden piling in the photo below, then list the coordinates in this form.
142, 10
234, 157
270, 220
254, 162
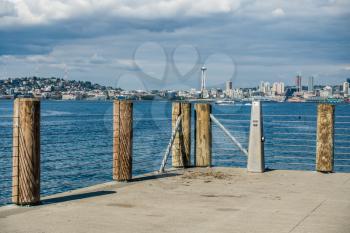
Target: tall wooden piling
26, 152
325, 138
181, 149
122, 140
203, 135
186, 133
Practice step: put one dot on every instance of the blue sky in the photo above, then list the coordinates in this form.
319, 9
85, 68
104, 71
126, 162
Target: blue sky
147, 44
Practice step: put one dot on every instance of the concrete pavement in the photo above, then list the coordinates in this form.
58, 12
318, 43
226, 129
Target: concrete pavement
199, 200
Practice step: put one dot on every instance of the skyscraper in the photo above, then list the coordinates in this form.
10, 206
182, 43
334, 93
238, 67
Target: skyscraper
265, 87
278, 88
310, 84
346, 88
298, 83
229, 91
228, 85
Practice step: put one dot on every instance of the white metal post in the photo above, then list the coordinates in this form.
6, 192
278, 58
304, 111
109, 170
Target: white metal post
256, 161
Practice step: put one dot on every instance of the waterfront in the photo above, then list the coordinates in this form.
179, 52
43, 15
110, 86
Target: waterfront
76, 140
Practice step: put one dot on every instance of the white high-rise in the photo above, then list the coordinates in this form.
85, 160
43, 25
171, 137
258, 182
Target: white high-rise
278, 88
265, 87
310, 84
346, 89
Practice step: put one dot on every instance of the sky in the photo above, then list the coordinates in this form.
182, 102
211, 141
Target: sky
162, 44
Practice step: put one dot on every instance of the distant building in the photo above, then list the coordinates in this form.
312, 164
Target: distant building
346, 89
228, 85
238, 93
298, 83
229, 90
265, 87
71, 96
310, 84
68, 96
278, 88
205, 94
326, 92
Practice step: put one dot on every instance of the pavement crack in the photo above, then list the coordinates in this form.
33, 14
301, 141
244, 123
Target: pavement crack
346, 181
306, 216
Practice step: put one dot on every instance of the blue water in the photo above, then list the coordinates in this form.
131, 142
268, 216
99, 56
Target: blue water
76, 140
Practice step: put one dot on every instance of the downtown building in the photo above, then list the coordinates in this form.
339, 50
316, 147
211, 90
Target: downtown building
278, 88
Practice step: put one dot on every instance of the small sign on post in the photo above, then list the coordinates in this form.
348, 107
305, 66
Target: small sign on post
256, 161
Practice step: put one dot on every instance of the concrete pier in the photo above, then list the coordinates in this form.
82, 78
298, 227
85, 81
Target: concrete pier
196, 200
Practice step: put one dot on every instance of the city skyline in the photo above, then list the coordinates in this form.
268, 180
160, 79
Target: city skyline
156, 45
58, 88
297, 81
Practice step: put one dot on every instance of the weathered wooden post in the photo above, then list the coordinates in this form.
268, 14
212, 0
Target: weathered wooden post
325, 138
256, 160
181, 149
203, 135
122, 140
186, 132
26, 152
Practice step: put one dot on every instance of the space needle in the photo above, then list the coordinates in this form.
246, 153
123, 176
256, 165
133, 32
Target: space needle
203, 80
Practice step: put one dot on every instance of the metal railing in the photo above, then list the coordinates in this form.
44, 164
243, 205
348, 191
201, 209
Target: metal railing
226, 152
290, 141
77, 149
342, 138
5, 158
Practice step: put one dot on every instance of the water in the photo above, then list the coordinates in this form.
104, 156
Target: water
76, 140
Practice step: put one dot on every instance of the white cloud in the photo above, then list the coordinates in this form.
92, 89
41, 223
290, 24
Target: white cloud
28, 12
6, 8
278, 12
97, 59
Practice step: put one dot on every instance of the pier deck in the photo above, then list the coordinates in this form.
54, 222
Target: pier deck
196, 200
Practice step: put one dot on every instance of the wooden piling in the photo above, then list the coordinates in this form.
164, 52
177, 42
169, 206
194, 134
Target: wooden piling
181, 149
122, 140
176, 148
26, 152
203, 135
325, 138
186, 132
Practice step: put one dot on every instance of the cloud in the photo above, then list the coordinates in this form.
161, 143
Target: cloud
278, 12
6, 8
46, 12
98, 39
42, 12
97, 59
